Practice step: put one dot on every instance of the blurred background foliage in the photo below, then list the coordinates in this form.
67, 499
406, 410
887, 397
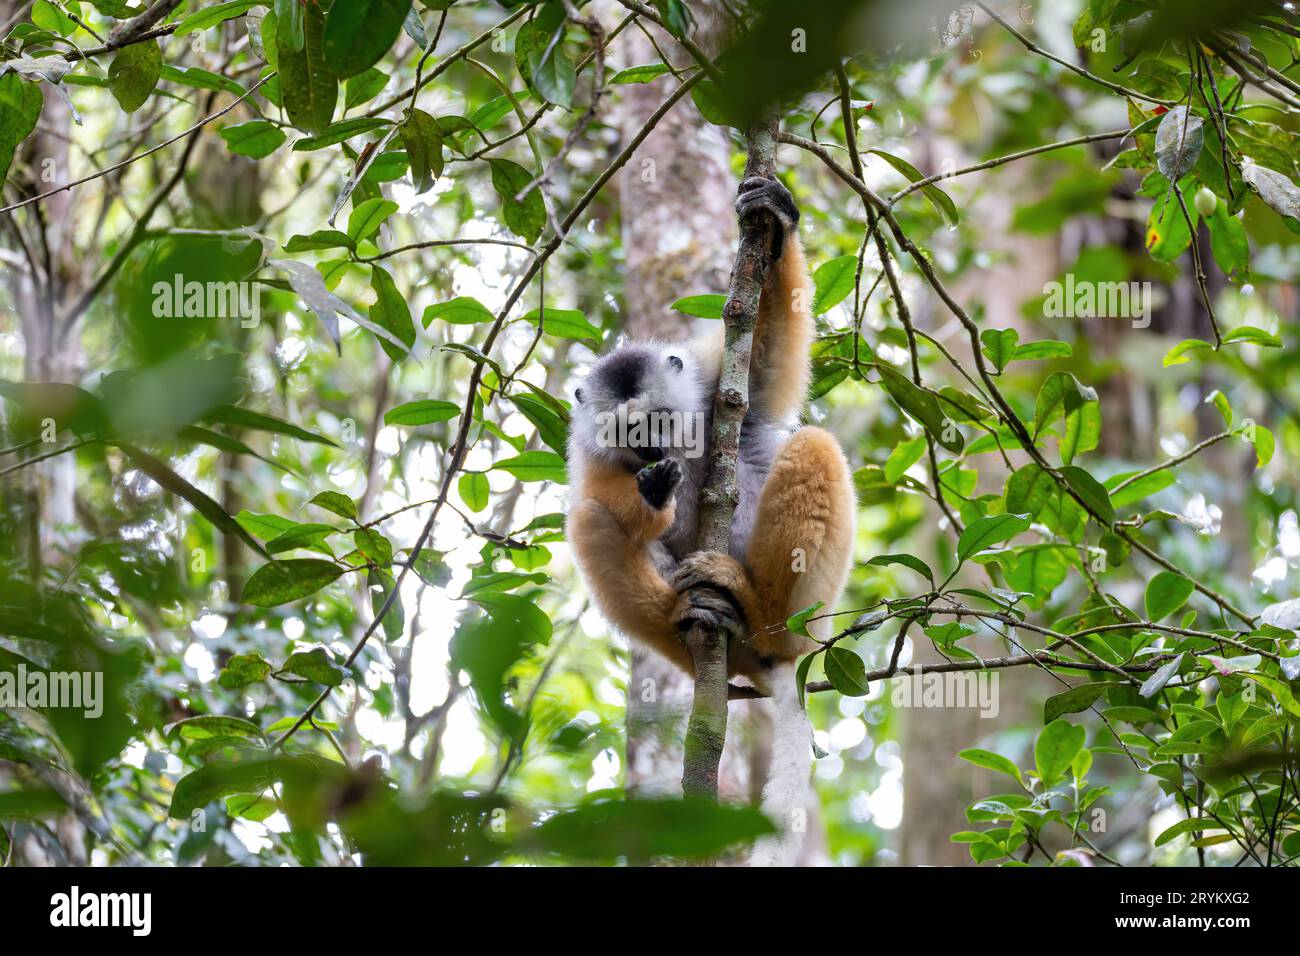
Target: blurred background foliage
240, 374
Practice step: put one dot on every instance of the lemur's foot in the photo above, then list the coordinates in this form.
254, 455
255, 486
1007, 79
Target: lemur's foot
708, 583
658, 481
758, 195
709, 608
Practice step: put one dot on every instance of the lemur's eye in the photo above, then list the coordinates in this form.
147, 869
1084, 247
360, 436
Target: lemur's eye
675, 363
578, 395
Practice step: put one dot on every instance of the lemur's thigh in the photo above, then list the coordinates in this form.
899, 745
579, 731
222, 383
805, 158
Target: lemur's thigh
623, 578
803, 545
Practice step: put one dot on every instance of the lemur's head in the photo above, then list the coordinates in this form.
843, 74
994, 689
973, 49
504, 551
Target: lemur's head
640, 403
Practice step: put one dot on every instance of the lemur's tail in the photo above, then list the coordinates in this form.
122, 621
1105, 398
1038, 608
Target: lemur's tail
786, 789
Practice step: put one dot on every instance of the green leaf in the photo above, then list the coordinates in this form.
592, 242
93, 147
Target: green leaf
907, 561
283, 581
20, 109
310, 535
473, 489
1091, 491
208, 727
366, 218
639, 74
832, 283
904, 456
462, 310
1178, 354
242, 670
535, 466
846, 672
1178, 142
1221, 403
1157, 681
308, 86
1228, 241
552, 72
265, 527
524, 217
798, 621
1144, 487
197, 78
423, 412
314, 665
707, 306
1166, 593
1046, 349
288, 15
238, 417
923, 407
1190, 825
364, 87
256, 138
390, 312
358, 33
1264, 446
1063, 395
983, 533
1000, 346
216, 780
551, 425
320, 239
565, 324
1075, 699
1055, 749
336, 502
374, 546
1031, 489
169, 481
422, 137
338, 132
1276, 189
1254, 336
1167, 235
134, 73
991, 761
938, 198
207, 17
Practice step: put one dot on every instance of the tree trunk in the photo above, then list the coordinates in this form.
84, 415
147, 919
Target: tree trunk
679, 232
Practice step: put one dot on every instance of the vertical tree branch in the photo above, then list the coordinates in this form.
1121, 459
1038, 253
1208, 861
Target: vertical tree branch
707, 730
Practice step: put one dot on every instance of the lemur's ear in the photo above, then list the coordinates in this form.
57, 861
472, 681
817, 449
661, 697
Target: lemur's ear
577, 393
675, 363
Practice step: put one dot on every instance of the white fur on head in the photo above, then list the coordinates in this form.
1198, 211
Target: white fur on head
638, 378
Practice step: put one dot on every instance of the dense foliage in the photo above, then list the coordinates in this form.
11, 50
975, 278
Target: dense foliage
313, 300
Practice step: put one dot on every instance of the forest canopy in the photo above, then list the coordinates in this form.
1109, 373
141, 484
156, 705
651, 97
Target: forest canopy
295, 296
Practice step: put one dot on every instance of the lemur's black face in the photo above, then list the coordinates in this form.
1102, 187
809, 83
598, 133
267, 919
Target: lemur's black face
630, 403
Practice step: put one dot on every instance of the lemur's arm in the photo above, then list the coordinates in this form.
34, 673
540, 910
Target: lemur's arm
778, 371
611, 530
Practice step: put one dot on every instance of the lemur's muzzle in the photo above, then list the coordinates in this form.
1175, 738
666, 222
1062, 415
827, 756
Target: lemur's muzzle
650, 453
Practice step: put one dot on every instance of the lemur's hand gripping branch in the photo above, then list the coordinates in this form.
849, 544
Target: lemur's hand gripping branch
707, 730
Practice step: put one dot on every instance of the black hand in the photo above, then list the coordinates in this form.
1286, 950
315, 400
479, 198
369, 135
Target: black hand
759, 195
656, 482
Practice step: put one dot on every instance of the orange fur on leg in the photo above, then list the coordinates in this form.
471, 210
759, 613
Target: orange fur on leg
778, 371
806, 516
611, 531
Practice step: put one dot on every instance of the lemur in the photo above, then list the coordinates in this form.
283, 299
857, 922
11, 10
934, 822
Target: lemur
633, 515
